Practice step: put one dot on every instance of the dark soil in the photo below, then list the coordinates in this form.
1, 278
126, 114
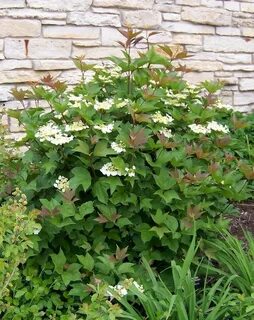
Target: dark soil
244, 221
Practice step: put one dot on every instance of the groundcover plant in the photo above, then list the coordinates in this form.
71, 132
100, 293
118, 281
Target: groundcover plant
119, 168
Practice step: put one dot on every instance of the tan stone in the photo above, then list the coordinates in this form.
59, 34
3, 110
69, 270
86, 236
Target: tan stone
248, 32
132, 4
188, 2
227, 44
247, 7
60, 5
53, 22
96, 53
243, 98
71, 32
12, 3
19, 28
186, 27
215, 17
37, 49
228, 31
87, 43
238, 67
246, 84
229, 80
167, 8
15, 64
32, 14
20, 76
212, 3
182, 38
233, 58
197, 77
145, 19
231, 5
94, 19
203, 65
242, 19
5, 92
52, 65
171, 16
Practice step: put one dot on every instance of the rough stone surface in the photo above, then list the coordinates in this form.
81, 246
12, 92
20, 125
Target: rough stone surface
144, 19
41, 36
59, 5
37, 49
132, 4
94, 19
71, 32
19, 28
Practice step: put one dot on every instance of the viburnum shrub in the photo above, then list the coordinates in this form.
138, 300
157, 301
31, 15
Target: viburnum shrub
122, 164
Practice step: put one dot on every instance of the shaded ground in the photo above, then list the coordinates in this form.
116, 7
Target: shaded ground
245, 221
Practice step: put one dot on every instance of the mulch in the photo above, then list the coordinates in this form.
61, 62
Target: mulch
244, 221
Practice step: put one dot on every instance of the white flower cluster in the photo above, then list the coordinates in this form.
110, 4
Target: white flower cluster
130, 172
118, 147
167, 133
53, 134
122, 289
109, 169
119, 289
62, 184
158, 117
75, 100
220, 105
104, 105
211, 126
104, 128
76, 126
215, 126
123, 103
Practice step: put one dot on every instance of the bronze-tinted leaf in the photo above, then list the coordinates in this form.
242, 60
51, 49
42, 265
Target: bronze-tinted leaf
101, 219
137, 138
121, 254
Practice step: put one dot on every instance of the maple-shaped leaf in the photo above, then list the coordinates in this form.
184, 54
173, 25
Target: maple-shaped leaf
101, 219
45, 212
48, 79
121, 254
18, 94
59, 86
223, 141
213, 167
114, 217
69, 195
194, 212
137, 138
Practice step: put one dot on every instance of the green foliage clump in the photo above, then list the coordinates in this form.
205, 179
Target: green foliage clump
120, 168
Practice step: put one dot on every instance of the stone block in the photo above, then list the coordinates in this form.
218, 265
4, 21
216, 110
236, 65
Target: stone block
247, 7
5, 93
243, 98
97, 53
29, 13
212, 3
52, 65
143, 19
246, 84
186, 27
60, 5
37, 49
207, 16
203, 65
87, 43
15, 64
181, 38
71, 32
232, 5
94, 19
227, 44
19, 28
248, 32
12, 4
20, 76
171, 16
197, 77
228, 31
132, 4
188, 2
232, 58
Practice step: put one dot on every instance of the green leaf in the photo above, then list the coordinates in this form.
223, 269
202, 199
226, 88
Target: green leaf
123, 222
163, 180
126, 267
168, 196
59, 261
160, 231
100, 191
87, 261
101, 149
72, 273
85, 209
81, 177
82, 147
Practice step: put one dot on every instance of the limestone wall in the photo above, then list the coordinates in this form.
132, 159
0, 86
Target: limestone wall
40, 36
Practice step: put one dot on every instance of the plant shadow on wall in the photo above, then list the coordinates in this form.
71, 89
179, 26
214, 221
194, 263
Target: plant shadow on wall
129, 165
